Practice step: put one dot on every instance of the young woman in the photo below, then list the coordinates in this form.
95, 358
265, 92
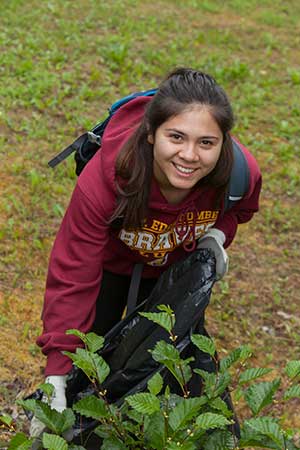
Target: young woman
152, 194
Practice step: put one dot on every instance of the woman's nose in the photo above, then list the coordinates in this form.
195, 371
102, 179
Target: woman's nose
189, 152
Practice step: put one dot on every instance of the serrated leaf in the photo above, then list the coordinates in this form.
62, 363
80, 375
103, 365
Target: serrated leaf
77, 333
83, 361
6, 420
20, 442
220, 405
163, 319
53, 442
92, 364
261, 394
165, 352
47, 388
113, 444
185, 411
292, 369
253, 374
145, 403
182, 446
220, 440
238, 354
209, 420
28, 405
155, 384
55, 421
94, 342
204, 343
154, 430
292, 392
165, 308
268, 427
102, 368
91, 406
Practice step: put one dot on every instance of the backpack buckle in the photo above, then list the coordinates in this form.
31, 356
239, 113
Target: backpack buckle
94, 138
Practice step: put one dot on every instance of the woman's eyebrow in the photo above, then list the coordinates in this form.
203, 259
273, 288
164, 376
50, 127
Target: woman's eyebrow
174, 130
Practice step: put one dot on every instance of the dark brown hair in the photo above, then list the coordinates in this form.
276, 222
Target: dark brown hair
181, 88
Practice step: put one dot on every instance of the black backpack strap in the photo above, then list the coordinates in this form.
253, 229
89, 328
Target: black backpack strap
239, 178
134, 287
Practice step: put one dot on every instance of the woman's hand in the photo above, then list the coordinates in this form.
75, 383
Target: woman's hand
214, 240
58, 402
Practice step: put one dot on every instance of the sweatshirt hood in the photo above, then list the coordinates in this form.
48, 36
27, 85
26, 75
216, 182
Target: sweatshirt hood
119, 129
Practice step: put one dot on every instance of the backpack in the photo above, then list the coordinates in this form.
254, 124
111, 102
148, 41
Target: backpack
86, 145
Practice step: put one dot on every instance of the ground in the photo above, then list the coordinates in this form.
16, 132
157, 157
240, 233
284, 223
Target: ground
57, 83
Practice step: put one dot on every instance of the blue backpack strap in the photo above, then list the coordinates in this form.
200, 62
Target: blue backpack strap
239, 178
115, 106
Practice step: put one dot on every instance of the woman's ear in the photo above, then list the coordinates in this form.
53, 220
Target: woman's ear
150, 138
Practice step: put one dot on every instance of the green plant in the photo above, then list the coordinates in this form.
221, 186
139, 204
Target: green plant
159, 419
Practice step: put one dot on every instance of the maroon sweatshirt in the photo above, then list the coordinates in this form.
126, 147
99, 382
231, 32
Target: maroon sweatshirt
86, 244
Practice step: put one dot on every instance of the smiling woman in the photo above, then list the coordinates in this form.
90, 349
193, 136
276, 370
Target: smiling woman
186, 148
152, 194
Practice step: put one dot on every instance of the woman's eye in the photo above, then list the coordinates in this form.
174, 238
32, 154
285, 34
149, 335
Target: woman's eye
206, 143
176, 137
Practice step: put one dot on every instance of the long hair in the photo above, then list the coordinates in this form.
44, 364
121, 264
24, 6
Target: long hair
134, 165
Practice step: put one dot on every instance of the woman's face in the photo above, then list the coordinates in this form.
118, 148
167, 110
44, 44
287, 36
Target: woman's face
186, 148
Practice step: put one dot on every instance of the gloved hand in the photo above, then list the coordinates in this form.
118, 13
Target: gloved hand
214, 240
58, 402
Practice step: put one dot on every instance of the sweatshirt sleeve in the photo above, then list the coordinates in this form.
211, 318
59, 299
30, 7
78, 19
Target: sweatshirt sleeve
73, 281
244, 210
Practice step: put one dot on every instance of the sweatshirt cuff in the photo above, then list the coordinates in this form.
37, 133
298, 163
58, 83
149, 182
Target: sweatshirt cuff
58, 364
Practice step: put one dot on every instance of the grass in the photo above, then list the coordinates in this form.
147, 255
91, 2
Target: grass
63, 63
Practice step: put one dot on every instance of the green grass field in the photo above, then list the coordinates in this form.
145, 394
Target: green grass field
62, 64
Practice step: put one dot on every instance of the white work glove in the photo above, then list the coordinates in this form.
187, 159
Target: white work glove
58, 402
214, 240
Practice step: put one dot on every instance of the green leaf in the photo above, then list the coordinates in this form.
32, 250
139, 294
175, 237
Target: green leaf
220, 440
53, 442
238, 354
83, 361
77, 333
155, 384
204, 344
292, 392
92, 364
166, 308
55, 421
163, 319
94, 342
220, 405
292, 369
102, 368
145, 403
20, 442
175, 445
209, 420
185, 411
165, 352
29, 405
268, 427
154, 430
261, 394
91, 406
47, 388
253, 374
6, 420
113, 443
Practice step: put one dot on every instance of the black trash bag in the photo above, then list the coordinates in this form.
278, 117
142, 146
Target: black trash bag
186, 287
